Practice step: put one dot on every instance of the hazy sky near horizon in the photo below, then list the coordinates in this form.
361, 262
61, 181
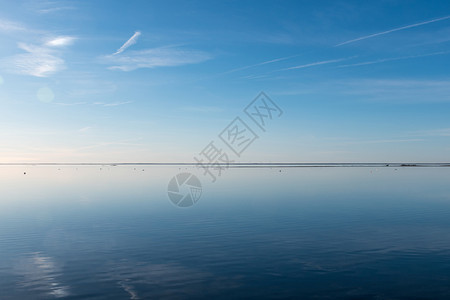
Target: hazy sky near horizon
142, 81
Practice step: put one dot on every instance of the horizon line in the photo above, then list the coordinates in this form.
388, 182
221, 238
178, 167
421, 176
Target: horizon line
239, 164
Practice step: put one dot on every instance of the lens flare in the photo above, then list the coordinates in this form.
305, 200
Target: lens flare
45, 95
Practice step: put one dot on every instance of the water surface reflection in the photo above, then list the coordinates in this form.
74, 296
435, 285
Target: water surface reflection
112, 233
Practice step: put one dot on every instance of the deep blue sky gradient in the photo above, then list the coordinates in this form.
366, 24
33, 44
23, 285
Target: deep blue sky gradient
197, 64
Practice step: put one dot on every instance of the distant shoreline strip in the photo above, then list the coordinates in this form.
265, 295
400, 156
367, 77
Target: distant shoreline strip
244, 165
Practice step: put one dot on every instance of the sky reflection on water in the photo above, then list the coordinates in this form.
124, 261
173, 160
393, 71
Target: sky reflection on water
106, 232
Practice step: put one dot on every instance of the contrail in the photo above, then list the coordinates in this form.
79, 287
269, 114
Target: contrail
392, 30
314, 64
128, 43
261, 63
317, 63
393, 59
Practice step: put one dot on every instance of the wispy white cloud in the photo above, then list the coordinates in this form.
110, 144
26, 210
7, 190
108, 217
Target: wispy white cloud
392, 30
18, 29
156, 57
9, 26
37, 61
60, 41
49, 7
131, 41
393, 59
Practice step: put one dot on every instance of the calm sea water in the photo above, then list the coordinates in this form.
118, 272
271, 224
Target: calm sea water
93, 232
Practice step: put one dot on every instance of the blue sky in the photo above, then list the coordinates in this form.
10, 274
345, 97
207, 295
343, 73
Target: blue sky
141, 81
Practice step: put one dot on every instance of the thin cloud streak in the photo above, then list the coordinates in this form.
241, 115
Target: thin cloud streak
202, 109
393, 59
386, 141
69, 104
254, 76
84, 129
112, 104
55, 9
106, 144
324, 62
104, 104
318, 63
397, 90
260, 64
392, 30
433, 132
383, 90
131, 41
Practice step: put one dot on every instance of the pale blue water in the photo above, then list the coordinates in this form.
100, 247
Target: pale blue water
310, 233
